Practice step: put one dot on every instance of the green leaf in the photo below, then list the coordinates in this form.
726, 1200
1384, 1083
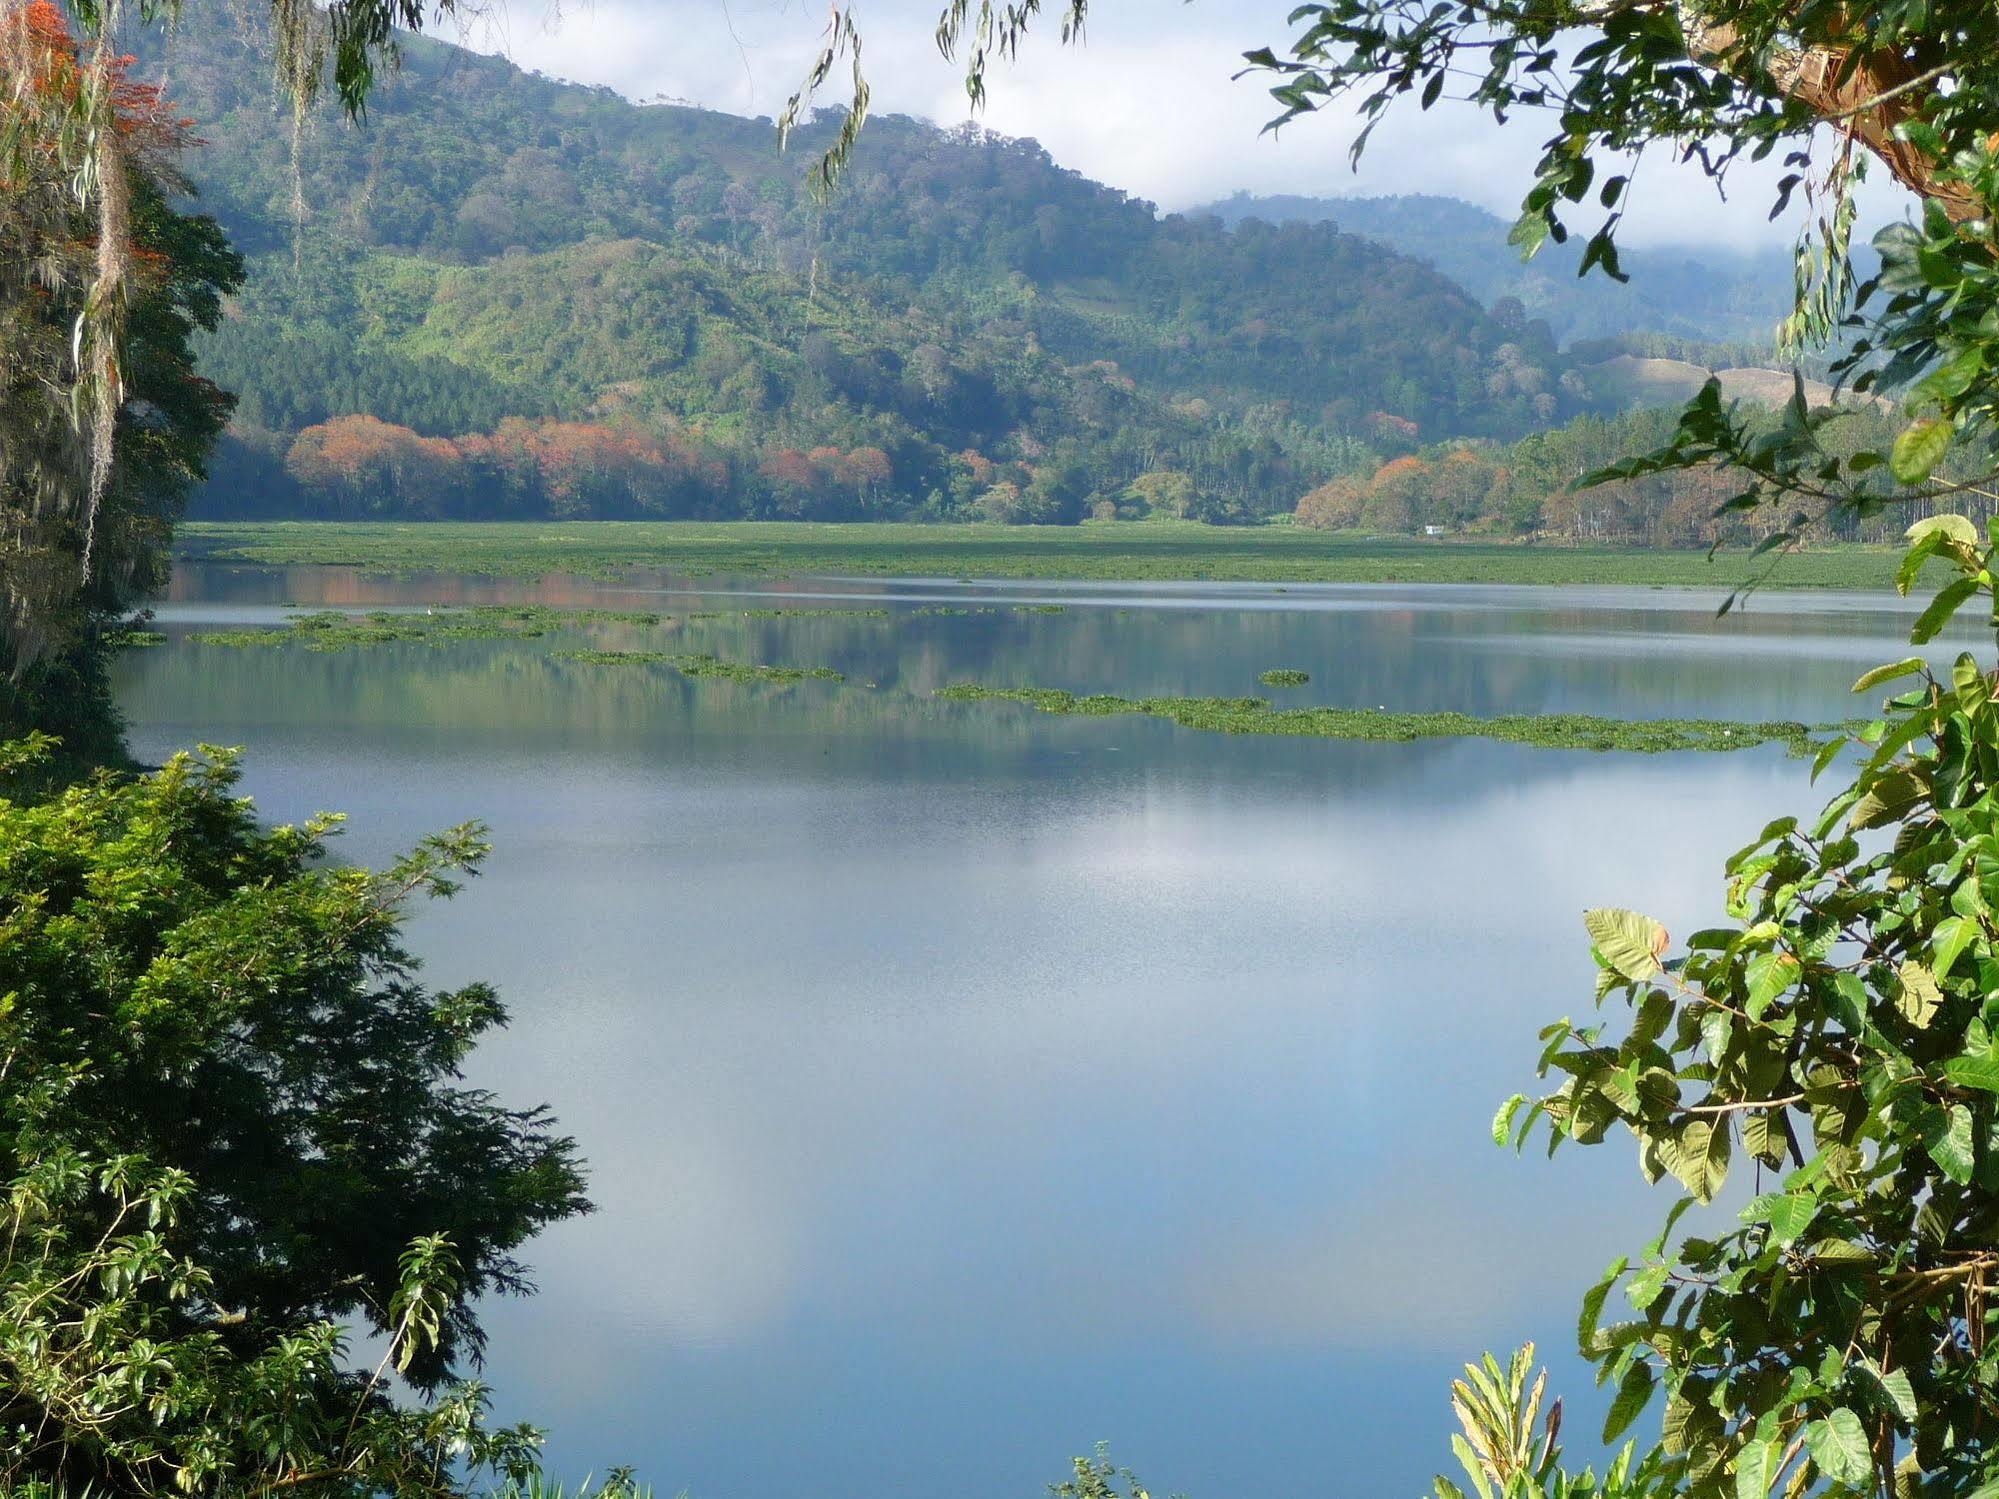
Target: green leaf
1841, 1252
1756, 1469
1634, 1392
1593, 1299
1697, 1155
1502, 1122
1947, 1136
1956, 377
1629, 943
1920, 996
1907, 667
1893, 1389
1789, 1214
1911, 565
1947, 527
1919, 449
1838, 1444
1768, 975
1980, 1072
1950, 598
1644, 1288
1952, 935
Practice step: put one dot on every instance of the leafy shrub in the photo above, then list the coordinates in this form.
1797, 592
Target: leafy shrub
230, 1121
1839, 1038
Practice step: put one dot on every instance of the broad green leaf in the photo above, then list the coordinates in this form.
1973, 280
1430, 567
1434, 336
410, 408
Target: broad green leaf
1630, 943
1764, 1135
1838, 1444
1947, 1137
1911, 565
1768, 975
1697, 1155
1980, 1072
1644, 1288
1919, 449
1949, 527
1893, 1388
1885, 800
1974, 688
1756, 1468
1593, 1299
1634, 1392
1920, 995
1789, 1214
1950, 598
1952, 935
1502, 1122
1954, 378
1894, 671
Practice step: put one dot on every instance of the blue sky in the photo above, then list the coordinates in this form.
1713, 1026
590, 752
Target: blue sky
1148, 104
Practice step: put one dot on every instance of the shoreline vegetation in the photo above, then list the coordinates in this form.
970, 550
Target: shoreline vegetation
1116, 551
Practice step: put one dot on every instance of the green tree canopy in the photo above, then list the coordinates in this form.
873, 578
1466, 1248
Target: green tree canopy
232, 1122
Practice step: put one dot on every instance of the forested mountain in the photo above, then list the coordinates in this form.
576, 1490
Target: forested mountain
496, 245
1711, 293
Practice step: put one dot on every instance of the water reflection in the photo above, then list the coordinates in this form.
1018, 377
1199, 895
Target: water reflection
964, 1085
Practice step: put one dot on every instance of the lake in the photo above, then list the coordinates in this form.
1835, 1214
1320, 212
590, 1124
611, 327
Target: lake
964, 1086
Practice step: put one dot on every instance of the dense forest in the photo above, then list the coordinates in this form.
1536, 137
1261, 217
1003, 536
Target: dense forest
507, 295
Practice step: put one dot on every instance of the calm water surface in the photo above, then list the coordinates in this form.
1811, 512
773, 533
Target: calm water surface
965, 1086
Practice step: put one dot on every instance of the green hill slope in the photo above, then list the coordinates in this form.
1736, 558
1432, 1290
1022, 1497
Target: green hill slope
495, 244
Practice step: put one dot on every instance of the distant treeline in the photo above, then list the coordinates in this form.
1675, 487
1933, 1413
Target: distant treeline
359, 468
1530, 487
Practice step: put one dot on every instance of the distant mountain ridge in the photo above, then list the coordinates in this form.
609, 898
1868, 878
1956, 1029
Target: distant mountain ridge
1710, 293
494, 243
963, 314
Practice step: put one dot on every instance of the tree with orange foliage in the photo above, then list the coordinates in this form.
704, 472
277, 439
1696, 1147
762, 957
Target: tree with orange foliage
867, 470
1396, 493
1335, 505
370, 467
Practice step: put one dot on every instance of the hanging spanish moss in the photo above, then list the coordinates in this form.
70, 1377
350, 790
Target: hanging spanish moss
59, 311
80, 145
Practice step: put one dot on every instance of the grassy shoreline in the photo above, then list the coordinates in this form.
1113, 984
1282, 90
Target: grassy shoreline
1144, 552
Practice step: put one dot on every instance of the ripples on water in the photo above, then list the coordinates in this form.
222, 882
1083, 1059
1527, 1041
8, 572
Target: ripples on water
964, 1086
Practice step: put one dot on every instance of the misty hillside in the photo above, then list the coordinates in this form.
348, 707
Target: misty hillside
1710, 293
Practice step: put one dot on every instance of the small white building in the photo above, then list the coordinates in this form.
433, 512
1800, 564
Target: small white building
1433, 530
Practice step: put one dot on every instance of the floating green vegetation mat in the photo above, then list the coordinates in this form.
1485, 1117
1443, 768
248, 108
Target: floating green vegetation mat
332, 630
705, 666
1150, 550
1254, 715
1040, 608
123, 639
1285, 676
790, 614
